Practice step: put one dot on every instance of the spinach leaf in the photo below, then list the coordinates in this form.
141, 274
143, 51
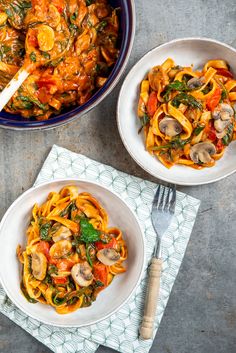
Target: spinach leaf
33, 100
26, 295
74, 16
207, 89
88, 233
44, 231
174, 86
73, 27
58, 301
228, 137
88, 255
25, 103
101, 26
144, 121
68, 209
223, 95
198, 129
47, 279
98, 284
21, 52
25, 5
176, 143
186, 99
33, 56
76, 241
9, 13
46, 55
52, 269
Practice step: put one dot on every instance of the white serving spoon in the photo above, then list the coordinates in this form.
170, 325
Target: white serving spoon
13, 86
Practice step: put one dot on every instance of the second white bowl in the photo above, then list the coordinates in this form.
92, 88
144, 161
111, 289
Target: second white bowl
184, 52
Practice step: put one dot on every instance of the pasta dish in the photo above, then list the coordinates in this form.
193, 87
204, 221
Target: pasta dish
188, 116
68, 46
71, 254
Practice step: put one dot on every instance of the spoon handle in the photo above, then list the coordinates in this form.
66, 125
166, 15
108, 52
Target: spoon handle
12, 87
153, 288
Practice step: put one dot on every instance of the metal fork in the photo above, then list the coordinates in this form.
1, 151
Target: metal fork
163, 209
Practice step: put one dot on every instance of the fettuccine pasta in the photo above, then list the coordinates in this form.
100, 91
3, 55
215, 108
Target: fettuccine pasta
188, 116
71, 254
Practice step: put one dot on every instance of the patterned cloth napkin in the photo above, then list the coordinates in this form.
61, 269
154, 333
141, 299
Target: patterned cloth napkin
120, 331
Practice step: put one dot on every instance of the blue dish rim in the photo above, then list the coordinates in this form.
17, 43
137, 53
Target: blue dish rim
62, 119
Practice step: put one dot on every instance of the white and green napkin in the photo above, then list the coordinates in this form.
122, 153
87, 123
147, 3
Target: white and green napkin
120, 331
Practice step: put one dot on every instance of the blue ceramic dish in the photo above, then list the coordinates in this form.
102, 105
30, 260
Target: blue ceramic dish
127, 32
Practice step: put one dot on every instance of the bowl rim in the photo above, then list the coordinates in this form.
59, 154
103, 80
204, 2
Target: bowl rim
143, 258
98, 96
126, 144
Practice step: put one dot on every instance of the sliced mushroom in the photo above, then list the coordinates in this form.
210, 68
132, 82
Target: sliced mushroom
202, 152
62, 233
60, 249
220, 125
45, 37
155, 78
54, 16
108, 256
39, 265
222, 115
82, 274
195, 82
223, 111
170, 126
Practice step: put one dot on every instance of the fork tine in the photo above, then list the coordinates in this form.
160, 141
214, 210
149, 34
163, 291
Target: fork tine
160, 206
167, 203
156, 197
173, 200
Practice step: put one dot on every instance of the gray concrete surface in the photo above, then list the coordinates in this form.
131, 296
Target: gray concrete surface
201, 313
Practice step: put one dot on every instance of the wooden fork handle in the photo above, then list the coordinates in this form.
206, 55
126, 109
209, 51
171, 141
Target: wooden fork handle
153, 289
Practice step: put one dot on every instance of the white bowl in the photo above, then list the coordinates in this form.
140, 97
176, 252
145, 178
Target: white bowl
12, 232
185, 52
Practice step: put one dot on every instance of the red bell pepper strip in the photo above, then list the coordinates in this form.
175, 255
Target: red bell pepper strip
152, 104
214, 100
224, 72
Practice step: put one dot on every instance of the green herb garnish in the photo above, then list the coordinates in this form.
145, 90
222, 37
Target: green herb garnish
88, 233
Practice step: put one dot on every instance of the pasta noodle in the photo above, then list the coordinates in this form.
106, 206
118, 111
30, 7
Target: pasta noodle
188, 116
68, 46
71, 254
